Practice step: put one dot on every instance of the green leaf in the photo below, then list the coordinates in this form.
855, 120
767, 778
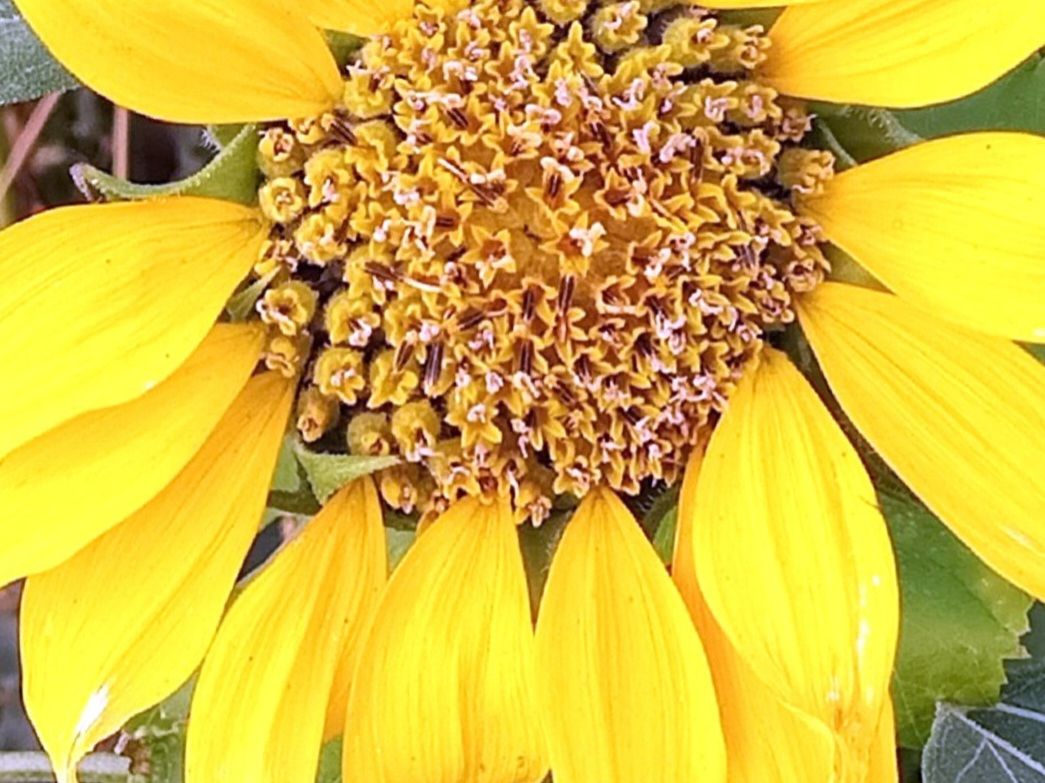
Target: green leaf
289, 492
910, 765
327, 473
231, 175
960, 620
398, 542
288, 476
241, 305
1002, 744
157, 738
651, 504
1034, 643
748, 16
343, 45
664, 538
27, 69
1014, 102
330, 762
823, 138
302, 503
858, 133
538, 546
845, 269
221, 136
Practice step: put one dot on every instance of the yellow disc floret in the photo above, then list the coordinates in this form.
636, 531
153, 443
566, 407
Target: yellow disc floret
537, 246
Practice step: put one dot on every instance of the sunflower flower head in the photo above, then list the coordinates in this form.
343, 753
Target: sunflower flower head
536, 249
524, 253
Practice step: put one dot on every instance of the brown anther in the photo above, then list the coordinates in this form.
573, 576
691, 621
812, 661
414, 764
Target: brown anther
488, 194
529, 305
526, 358
599, 130
433, 366
583, 368
747, 255
341, 129
567, 396
458, 117
553, 186
656, 306
497, 308
402, 356
470, 319
696, 158
382, 272
566, 290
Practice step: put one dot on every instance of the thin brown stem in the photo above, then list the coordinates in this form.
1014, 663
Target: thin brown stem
121, 143
22, 149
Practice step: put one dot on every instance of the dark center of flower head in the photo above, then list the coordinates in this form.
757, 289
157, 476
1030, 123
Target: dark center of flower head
537, 246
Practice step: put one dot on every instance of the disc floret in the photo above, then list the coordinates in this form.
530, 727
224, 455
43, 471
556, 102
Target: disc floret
537, 245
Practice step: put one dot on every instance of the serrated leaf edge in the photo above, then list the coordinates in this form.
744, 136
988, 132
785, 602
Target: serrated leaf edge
92, 181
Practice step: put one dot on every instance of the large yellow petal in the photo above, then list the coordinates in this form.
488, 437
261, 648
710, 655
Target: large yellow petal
884, 767
370, 570
754, 718
766, 738
261, 700
900, 53
958, 415
954, 225
444, 688
70, 485
99, 303
793, 557
126, 621
204, 61
357, 16
626, 692
729, 4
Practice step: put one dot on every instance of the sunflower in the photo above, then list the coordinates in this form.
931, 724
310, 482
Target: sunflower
531, 250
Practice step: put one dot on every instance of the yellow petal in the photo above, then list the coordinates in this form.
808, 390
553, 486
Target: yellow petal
884, 768
357, 16
626, 692
205, 61
126, 621
954, 226
730, 4
99, 303
75, 482
958, 415
374, 552
900, 53
754, 718
260, 703
792, 553
444, 688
